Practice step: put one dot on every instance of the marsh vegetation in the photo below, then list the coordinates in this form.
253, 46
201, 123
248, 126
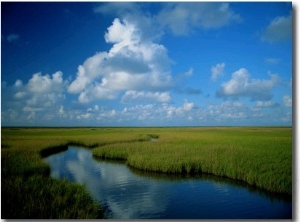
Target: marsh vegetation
260, 156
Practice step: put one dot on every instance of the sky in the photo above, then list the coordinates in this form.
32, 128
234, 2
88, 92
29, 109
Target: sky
146, 64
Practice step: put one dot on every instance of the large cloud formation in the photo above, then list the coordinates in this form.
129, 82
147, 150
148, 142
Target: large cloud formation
136, 66
136, 72
131, 64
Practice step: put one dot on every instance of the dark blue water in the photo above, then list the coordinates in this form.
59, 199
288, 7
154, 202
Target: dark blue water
131, 194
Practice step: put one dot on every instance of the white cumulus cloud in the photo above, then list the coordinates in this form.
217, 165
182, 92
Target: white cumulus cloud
173, 112
131, 64
38, 99
87, 72
241, 84
121, 32
45, 84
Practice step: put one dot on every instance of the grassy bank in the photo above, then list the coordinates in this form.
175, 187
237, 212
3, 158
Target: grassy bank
26, 189
259, 156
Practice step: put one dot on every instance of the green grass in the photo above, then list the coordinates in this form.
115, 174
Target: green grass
42, 197
28, 192
259, 156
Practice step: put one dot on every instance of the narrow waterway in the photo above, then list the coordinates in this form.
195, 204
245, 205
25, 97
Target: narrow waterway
129, 194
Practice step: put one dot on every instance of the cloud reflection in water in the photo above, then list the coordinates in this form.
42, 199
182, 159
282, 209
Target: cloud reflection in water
132, 195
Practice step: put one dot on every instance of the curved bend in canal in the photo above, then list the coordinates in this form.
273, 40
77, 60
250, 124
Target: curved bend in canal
128, 194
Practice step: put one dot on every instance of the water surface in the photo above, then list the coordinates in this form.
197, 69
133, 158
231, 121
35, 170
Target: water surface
130, 194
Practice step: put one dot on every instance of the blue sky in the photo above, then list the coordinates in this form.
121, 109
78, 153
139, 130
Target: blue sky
146, 64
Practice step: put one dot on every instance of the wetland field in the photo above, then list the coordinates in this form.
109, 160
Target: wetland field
260, 157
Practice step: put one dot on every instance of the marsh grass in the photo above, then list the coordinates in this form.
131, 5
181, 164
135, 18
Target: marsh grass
262, 157
24, 173
42, 197
259, 156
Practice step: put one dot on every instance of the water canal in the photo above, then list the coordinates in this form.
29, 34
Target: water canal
129, 194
